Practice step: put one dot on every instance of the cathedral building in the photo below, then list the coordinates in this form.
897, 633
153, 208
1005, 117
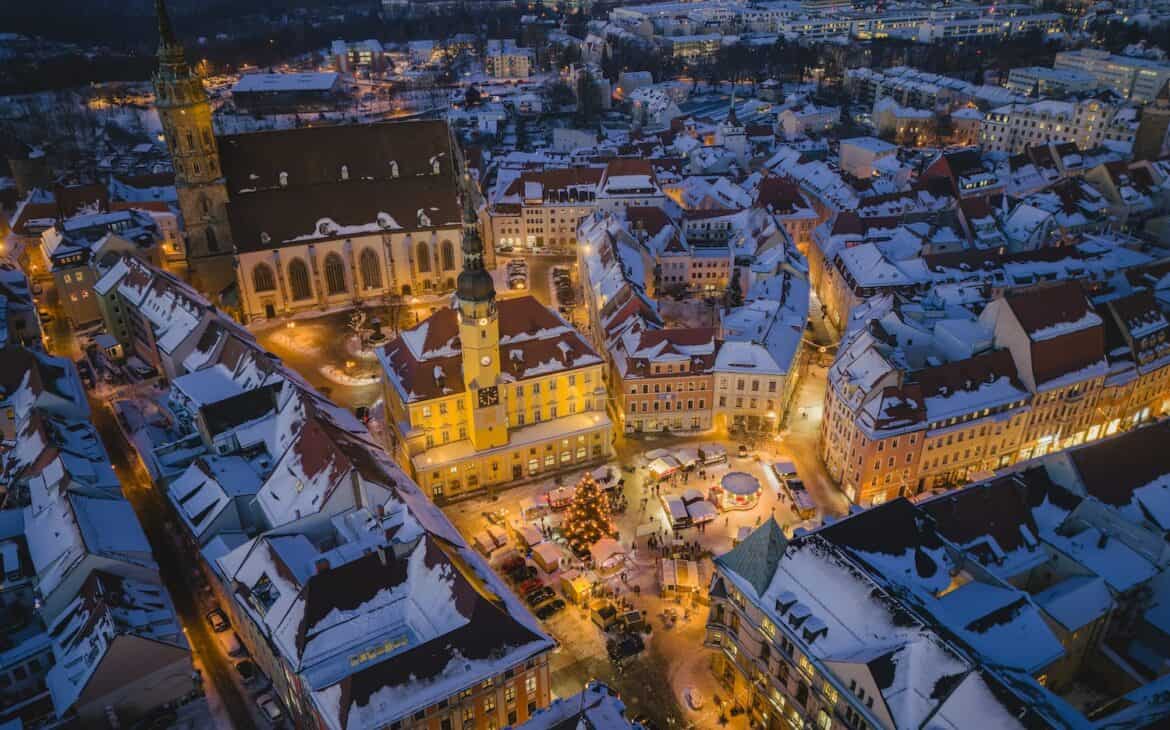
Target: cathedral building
314, 218
490, 392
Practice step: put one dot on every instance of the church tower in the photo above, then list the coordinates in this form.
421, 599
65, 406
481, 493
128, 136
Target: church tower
185, 112
733, 135
1151, 131
479, 332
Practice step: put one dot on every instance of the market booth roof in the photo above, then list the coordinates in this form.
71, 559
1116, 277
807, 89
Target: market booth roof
740, 483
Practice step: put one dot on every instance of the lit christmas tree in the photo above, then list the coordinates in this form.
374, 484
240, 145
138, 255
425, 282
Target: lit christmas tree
588, 519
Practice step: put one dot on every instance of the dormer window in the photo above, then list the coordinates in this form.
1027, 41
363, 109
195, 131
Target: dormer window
284, 179
345, 172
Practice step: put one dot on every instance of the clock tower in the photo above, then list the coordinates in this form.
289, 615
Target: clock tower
185, 113
479, 334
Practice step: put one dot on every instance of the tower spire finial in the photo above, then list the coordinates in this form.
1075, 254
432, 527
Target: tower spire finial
731, 118
166, 34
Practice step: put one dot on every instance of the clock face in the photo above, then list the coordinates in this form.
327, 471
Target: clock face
489, 396
485, 360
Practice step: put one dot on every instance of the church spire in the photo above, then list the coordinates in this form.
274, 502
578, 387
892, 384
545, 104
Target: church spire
166, 34
731, 118
474, 283
172, 61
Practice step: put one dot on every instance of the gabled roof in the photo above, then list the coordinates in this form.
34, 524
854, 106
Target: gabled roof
758, 556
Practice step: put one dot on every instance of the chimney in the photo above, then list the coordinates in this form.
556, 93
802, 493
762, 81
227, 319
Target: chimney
1103, 541
379, 511
322, 565
382, 555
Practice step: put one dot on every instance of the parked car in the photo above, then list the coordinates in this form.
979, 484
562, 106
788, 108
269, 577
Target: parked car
743, 450
218, 621
85, 370
538, 596
46, 317
550, 609
512, 563
624, 647
529, 586
522, 573
232, 645
269, 706
247, 671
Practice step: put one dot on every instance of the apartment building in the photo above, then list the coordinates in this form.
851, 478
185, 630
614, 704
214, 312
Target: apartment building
832, 628
740, 378
663, 379
1088, 123
1136, 79
505, 60
540, 210
919, 403
80, 248
1056, 83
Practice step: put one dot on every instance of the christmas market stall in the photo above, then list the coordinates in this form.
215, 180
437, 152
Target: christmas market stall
736, 490
576, 587
530, 535
561, 497
547, 556
678, 577
698, 508
534, 508
608, 556
663, 467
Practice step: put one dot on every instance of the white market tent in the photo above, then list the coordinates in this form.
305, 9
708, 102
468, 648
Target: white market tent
691, 495
687, 457
663, 466
547, 556
530, 535
653, 454
702, 511
561, 496
681, 576
787, 468
607, 554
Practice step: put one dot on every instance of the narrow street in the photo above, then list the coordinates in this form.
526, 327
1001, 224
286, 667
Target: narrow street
176, 566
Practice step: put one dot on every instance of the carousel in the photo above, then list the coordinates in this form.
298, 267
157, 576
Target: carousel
736, 490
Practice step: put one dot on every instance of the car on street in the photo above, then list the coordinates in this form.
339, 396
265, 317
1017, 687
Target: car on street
512, 563
269, 707
624, 647
550, 609
247, 671
538, 596
46, 317
529, 586
743, 450
217, 620
522, 573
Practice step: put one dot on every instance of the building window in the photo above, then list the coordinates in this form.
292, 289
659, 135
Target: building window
447, 253
262, 278
423, 257
371, 269
298, 280
334, 274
